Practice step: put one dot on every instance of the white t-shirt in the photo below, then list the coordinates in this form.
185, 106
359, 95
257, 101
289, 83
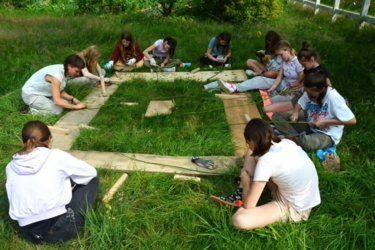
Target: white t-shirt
290, 168
37, 84
159, 50
334, 107
291, 69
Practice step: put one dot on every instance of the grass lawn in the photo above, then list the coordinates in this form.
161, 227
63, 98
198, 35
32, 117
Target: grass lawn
153, 211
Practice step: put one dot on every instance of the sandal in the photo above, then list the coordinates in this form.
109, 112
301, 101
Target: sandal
218, 201
204, 163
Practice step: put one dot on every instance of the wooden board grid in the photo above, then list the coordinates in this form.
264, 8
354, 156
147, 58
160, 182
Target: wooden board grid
226, 75
235, 110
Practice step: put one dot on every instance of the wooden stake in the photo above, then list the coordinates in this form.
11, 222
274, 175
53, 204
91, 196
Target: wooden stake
247, 117
186, 177
56, 130
226, 96
195, 70
104, 92
86, 126
129, 103
111, 192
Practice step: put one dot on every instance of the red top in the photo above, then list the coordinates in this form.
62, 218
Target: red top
116, 53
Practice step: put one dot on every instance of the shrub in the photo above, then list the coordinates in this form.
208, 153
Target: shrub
237, 11
112, 6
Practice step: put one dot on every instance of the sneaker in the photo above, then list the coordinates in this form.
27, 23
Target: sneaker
227, 66
249, 72
228, 87
169, 69
25, 109
151, 70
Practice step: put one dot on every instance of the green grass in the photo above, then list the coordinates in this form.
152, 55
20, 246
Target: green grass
153, 211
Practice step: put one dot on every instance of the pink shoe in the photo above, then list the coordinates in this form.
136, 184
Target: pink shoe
228, 87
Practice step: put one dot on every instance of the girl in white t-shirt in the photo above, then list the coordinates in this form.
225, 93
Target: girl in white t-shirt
162, 53
326, 114
287, 171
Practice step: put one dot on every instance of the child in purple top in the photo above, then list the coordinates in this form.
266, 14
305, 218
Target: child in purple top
162, 53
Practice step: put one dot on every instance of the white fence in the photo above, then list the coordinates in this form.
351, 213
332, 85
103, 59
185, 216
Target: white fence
335, 10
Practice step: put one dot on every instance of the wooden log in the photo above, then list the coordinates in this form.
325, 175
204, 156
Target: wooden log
56, 130
186, 177
195, 70
111, 192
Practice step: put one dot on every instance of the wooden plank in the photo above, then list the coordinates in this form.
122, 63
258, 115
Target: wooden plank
203, 76
159, 108
112, 191
56, 130
126, 162
235, 110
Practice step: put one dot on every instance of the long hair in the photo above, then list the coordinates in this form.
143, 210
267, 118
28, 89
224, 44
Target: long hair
316, 81
306, 52
74, 61
91, 54
172, 43
226, 36
129, 52
34, 134
261, 134
273, 37
284, 45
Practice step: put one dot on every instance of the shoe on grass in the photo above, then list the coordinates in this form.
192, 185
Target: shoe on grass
173, 69
250, 72
227, 87
216, 200
25, 109
204, 163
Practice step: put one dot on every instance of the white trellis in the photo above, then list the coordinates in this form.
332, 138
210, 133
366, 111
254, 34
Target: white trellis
362, 17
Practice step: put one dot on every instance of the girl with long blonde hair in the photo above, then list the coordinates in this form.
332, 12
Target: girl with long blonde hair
91, 74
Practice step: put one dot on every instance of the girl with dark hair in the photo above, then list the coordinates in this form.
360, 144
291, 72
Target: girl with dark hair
268, 63
284, 168
44, 90
126, 54
49, 191
162, 53
326, 114
219, 50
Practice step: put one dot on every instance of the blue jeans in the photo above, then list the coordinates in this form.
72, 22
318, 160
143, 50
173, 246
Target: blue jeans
70, 223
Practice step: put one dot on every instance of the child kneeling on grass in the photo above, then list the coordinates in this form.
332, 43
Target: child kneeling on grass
49, 190
287, 171
326, 114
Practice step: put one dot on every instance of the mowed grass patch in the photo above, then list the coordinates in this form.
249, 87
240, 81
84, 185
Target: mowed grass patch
197, 124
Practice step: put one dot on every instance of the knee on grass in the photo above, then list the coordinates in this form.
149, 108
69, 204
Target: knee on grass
241, 221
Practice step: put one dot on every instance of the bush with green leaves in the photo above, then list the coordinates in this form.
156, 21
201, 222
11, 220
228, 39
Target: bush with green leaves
112, 6
237, 11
